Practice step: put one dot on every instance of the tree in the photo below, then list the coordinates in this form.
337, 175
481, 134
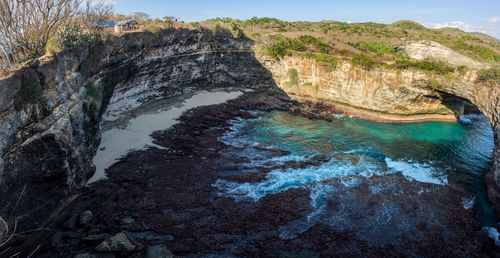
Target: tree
98, 10
30, 23
169, 18
140, 16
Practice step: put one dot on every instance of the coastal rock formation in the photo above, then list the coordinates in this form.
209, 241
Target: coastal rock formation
386, 94
49, 123
426, 49
378, 94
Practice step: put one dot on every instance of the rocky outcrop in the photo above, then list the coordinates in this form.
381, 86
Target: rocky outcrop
49, 127
426, 49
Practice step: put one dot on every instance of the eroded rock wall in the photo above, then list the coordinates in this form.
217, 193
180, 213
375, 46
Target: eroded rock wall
46, 147
380, 93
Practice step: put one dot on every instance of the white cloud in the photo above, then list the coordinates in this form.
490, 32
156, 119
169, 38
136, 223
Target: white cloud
490, 26
494, 20
454, 24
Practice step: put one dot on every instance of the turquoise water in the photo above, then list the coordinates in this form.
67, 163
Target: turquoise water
436, 153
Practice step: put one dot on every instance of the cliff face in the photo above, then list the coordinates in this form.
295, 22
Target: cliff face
49, 127
379, 93
386, 94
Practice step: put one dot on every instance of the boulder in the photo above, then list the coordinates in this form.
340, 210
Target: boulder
121, 242
158, 251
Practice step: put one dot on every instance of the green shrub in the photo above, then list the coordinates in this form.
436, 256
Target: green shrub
438, 67
236, 31
434, 84
433, 66
316, 42
490, 76
479, 52
266, 22
92, 91
462, 69
379, 48
403, 63
316, 87
326, 59
293, 76
152, 26
277, 50
54, 44
296, 45
362, 61
74, 37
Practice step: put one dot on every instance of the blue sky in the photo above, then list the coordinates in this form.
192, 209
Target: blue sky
471, 15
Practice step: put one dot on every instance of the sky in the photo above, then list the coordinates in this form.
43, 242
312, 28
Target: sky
472, 15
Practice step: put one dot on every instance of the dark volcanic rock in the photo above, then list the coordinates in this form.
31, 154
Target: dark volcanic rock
169, 193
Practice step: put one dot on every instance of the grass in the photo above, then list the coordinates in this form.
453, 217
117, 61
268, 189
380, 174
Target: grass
373, 39
326, 59
293, 76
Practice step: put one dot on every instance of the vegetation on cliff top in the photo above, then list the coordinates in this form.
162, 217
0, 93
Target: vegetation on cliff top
490, 76
367, 43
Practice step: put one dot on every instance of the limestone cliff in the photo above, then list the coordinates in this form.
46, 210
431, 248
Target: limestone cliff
49, 126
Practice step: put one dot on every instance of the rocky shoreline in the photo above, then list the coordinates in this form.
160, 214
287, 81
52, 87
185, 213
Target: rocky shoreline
162, 201
325, 109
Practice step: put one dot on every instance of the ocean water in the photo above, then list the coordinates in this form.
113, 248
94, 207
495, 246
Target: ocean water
435, 153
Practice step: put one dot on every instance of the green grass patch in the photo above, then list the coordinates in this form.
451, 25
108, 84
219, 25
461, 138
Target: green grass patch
433, 66
379, 48
478, 52
363, 61
293, 76
326, 59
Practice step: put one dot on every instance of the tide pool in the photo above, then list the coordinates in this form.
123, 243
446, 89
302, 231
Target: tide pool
437, 153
